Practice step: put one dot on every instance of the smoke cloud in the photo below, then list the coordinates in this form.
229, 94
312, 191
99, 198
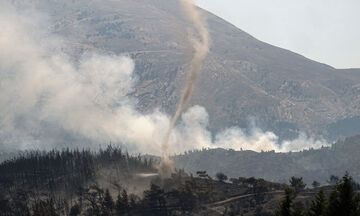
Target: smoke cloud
49, 100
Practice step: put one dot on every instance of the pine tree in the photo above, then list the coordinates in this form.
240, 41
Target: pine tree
122, 203
343, 200
357, 205
221, 177
75, 210
333, 204
154, 201
187, 198
285, 206
125, 199
297, 184
315, 184
297, 211
108, 203
317, 207
44, 208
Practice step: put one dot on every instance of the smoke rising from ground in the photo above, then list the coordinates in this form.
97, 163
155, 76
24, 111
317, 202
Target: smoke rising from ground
48, 100
200, 45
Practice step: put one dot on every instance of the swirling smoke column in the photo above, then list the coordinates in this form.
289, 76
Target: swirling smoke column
200, 44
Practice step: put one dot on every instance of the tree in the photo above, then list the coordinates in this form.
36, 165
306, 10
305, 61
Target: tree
221, 177
125, 199
284, 208
4, 206
357, 204
343, 200
333, 180
75, 210
108, 203
231, 211
154, 201
333, 204
44, 208
203, 174
260, 188
94, 197
297, 184
317, 207
122, 203
315, 184
187, 197
297, 211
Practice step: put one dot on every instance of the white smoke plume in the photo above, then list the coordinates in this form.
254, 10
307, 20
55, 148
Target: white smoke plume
44, 97
47, 100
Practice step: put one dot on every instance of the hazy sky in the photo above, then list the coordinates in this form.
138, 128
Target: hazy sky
327, 31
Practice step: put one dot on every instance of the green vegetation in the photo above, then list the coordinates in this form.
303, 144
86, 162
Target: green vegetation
342, 200
285, 208
221, 177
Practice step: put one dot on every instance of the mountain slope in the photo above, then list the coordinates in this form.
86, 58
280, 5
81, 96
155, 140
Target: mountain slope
242, 76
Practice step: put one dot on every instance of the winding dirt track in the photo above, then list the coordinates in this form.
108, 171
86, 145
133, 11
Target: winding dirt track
218, 203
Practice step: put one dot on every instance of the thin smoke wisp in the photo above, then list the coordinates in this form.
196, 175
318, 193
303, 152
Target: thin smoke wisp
200, 45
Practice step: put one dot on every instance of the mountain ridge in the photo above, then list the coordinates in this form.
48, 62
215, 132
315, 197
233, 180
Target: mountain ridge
310, 164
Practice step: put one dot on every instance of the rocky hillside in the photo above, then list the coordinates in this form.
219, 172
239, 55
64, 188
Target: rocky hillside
242, 77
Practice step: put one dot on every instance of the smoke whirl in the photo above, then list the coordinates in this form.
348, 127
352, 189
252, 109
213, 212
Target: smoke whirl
200, 44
